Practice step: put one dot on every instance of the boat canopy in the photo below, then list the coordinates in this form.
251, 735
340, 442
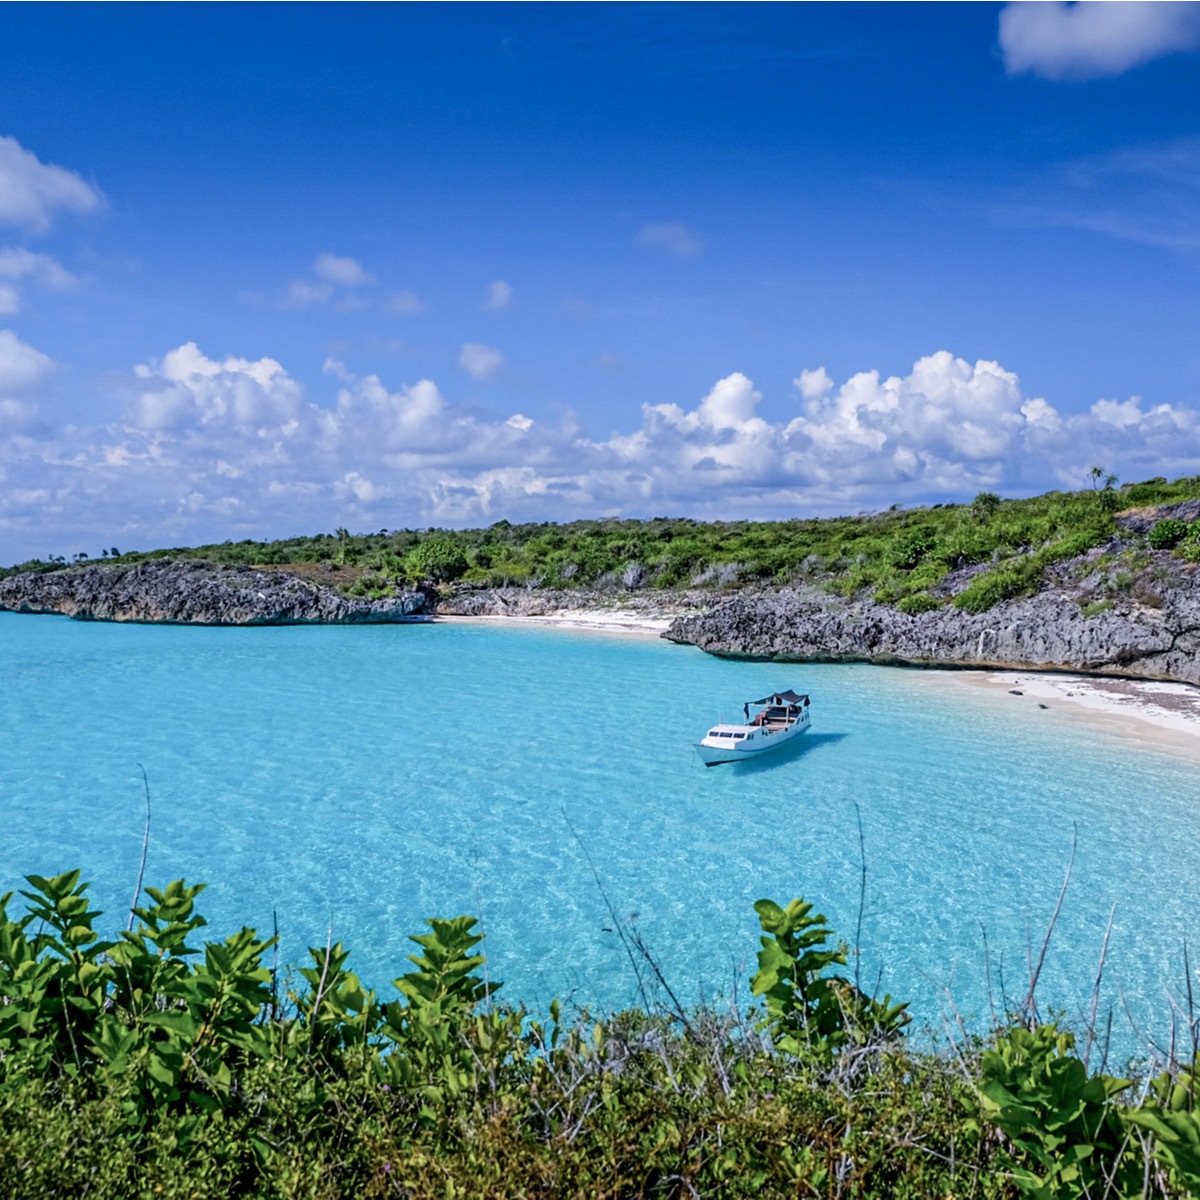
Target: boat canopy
788, 697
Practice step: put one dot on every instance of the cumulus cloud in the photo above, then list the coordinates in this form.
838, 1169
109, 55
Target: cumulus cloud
499, 296
672, 236
185, 390
812, 385
33, 193
480, 362
235, 447
1091, 39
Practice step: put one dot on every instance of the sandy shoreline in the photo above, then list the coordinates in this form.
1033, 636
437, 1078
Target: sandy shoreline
1159, 715
1162, 716
627, 623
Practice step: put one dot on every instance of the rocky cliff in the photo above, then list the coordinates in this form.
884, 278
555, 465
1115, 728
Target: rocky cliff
191, 592
1092, 614
1154, 634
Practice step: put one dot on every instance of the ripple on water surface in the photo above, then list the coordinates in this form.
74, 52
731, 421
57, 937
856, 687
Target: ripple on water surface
369, 777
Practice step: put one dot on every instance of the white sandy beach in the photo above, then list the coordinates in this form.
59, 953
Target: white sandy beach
1164, 716
626, 622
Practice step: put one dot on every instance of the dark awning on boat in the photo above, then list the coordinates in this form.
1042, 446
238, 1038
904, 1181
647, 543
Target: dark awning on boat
788, 697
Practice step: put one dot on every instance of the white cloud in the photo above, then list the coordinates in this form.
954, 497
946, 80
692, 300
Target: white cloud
499, 296
234, 447
18, 264
731, 404
32, 193
23, 369
24, 372
22, 264
334, 279
812, 385
302, 293
405, 303
342, 272
1091, 39
480, 362
672, 236
185, 390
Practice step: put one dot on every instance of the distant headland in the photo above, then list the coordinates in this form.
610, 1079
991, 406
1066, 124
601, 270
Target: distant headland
1104, 581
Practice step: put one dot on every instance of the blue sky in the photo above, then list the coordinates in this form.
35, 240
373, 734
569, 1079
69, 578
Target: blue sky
273, 270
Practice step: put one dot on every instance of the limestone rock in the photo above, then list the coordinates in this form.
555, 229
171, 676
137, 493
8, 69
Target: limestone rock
1047, 631
192, 592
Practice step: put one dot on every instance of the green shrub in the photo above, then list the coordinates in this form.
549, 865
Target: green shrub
986, 591
917, 603
809, 1011
1169, 1114
985, 506
1168, 533
1073, 544
913, 547
1070, 1136
929, 573
147, 1064
1149, 491
439, 559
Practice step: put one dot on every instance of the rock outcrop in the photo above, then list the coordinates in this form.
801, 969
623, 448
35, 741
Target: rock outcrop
1155, 638
1152, 633
191, 592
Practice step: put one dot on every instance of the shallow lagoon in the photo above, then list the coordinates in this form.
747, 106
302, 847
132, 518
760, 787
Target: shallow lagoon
365, 778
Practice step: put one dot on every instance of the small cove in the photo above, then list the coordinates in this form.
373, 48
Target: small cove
364, 778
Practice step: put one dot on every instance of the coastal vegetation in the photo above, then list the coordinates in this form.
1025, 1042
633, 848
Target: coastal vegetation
146, 1064
970, 555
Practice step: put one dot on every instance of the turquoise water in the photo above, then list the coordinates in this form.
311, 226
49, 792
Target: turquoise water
366, 778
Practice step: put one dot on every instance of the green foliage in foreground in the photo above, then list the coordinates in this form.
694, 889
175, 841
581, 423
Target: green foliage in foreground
975, 554
145, 1066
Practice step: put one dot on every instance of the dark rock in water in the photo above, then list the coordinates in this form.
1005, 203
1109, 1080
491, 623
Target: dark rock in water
192, 592
1048, 631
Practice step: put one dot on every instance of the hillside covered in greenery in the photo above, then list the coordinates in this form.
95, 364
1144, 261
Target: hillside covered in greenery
143, 1063
972, 555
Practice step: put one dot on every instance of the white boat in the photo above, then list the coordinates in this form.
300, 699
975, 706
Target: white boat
781, 717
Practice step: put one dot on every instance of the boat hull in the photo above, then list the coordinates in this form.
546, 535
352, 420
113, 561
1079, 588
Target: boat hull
713, 754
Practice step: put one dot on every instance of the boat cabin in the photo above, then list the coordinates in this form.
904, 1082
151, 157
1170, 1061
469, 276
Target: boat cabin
779, 710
